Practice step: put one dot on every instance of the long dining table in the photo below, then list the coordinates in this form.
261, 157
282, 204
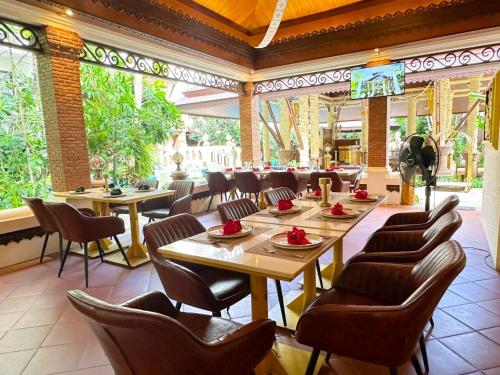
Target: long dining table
256, 256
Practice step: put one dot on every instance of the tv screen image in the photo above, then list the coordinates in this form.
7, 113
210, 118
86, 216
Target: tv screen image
382, 80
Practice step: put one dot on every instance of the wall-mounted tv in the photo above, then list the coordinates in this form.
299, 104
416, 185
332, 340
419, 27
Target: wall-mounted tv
381, 80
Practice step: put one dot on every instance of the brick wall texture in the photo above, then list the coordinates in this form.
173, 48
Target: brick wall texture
377, 131
59, 78
249, 125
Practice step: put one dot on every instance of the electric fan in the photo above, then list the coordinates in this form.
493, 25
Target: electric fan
419, 160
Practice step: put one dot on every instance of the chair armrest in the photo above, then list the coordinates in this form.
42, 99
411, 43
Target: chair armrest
394, 241
408, 257
103, 226
87, 212
394, 228
181, 205
255, 330
154, 302
404, 218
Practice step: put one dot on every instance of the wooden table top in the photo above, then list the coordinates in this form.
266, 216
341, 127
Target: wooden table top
130, 196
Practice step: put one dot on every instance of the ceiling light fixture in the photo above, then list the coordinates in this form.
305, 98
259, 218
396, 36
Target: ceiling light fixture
69, 12
275, 23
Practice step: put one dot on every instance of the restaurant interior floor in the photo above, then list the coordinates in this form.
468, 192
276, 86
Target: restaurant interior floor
40, 333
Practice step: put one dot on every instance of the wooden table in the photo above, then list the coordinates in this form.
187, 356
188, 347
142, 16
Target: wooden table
137, 253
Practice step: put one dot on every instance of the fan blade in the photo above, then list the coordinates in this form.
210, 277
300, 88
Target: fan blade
428, 156
416, 143
404, 154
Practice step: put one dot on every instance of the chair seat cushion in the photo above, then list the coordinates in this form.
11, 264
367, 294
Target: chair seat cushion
206, 327
120, 210
337, 296
228, 287
160, 213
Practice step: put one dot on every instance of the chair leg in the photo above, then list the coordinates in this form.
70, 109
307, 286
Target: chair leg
225, 196
210, 203
280, 300
99, 248
393, 370
431, 320
64, 258
318, 270
44, 246
121, 250
416, 364
423, 349
216, 313
86, 263
257, 199
178, 306
327, 358
312, 362
151, 220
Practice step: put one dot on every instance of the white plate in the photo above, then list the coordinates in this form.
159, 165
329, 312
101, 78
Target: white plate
113, 196
293, 210
351, 213
312, 196
216, 232
280, 240
371, 198
143, 191
80, 192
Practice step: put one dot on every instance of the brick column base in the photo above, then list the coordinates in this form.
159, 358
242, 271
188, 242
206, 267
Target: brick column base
59, 77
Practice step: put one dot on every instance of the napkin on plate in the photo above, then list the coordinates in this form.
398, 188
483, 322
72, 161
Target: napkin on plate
338, 210
290, 170
231, 227
229, 169
361, 194
267, 167
255, 169
238, 168
317, 192
297, 237
284, 204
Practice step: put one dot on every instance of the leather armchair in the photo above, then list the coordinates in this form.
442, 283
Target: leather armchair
376, 312
408, 246
289, 180
249, 183
219, 184
147, 335
275, 195
159, 208
237, 209
420, 219
76, 227
338, 186
205, 287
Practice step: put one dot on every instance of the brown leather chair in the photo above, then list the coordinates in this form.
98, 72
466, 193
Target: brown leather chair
159, 208
420, 219
146, 335
355, 181
119, 209
408, 246
290, 180
47, 222
219, 184
249, 183
76, 227
205, 287
338, 186
376, 312
275, 195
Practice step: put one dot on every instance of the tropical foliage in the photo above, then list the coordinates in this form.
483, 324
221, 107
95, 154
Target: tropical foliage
217, 130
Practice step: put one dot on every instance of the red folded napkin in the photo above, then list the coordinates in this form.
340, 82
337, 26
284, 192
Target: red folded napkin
229, 169
267, 167
238, 168
361, 194
338, 210
284, 204
290, 170
317, 192
256, 169
334, 168
301, 168
231, 227
297, 237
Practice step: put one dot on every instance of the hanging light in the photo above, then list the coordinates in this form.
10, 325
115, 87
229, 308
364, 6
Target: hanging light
274, 25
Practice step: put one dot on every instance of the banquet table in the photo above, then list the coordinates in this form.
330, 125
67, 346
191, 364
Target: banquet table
251, 255
137, 253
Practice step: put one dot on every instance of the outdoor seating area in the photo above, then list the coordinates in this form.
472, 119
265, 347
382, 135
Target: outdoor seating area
286, 187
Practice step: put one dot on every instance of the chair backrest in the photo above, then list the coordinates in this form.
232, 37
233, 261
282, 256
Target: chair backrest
247, 182
69, 221
443, 228
217, 182
446, 205
152, 183
237, 209
336, 180
275, 195
284, 179
181, 187
45, 219
140, 342
181, 206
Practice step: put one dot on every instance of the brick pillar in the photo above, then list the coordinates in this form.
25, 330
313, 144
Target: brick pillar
249, 125
377, 131
59, 77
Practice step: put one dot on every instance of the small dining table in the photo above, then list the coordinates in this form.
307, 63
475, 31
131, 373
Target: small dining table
137, 253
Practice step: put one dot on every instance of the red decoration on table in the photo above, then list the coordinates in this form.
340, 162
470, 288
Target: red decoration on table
361, 194
255, 169
301, 168
290, 170
229, 169
338, 210
334, 168
267, 167
238, 168
317, 192
231, 227
297, 237
284, 204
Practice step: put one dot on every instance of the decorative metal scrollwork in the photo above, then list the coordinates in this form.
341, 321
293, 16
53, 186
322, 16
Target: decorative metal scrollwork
100, 54
19, 35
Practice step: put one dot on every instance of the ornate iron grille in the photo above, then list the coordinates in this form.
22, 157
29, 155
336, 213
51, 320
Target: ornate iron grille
447, 60
100, 54
19, 35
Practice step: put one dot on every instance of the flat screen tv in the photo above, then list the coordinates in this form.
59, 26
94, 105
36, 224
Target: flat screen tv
381, 80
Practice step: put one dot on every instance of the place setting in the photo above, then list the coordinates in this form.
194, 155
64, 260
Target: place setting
338, 213
362, 196
285, 207
231, 230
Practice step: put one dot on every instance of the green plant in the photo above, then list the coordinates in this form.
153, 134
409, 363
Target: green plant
217, 130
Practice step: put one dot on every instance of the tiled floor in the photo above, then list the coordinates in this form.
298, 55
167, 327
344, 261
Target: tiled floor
40, 333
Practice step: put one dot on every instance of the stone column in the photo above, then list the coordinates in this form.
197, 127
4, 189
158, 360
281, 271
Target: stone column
474, 86
304, 128
314, 122
249, 125
266, 147
407, 191
60, 89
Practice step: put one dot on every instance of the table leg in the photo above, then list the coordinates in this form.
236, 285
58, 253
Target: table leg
262, 201
333, 270
233, 194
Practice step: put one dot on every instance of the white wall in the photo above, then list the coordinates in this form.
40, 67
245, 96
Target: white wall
490, 212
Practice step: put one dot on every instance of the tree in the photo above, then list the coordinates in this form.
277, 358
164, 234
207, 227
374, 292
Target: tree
118, 129
217, 129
